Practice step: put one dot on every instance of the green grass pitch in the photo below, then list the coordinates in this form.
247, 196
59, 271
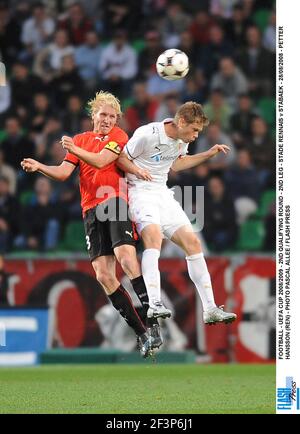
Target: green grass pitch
151, 389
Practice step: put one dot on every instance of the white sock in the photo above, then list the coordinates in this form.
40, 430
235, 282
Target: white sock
199, 274
151, 274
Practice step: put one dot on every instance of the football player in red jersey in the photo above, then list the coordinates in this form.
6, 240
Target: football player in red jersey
102, 194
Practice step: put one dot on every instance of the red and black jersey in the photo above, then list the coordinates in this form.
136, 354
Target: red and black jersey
98, 185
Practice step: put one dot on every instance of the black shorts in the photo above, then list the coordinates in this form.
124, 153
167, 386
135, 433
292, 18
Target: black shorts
108, 226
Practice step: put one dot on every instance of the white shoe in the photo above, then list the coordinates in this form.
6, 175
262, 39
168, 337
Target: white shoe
217, 314
158, 310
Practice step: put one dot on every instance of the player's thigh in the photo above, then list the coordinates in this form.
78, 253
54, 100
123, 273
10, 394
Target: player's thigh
97, 235
173, 217
152, 236
144, 209
187, 239
121, 228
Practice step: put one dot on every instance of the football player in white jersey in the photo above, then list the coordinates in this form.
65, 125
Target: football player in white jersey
156, 148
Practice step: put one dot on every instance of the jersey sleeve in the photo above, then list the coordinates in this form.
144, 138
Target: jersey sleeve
117, 143
135, 145
70, 158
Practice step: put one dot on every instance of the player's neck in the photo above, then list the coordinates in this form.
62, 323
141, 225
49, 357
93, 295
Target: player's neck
171, 130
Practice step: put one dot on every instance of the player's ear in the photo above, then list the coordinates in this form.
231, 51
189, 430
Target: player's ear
181, 123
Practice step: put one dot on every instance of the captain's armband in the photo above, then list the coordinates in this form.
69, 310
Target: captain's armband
114, 147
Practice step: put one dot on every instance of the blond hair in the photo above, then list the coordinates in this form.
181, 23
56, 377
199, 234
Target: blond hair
192, 112
102, 98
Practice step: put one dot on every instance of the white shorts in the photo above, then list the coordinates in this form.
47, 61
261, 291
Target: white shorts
158, 207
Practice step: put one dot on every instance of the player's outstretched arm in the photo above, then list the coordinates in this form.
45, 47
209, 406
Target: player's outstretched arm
128, 166
58, 173
189, 161
97, 160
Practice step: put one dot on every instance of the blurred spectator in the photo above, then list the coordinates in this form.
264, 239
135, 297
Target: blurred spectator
258, 64
241, 181
236, 27
42, 218
77, 24
223, 8
200, 26
262, 149
241, 120
195, 88
56, 154
175, 22
4, 284
86, 124
37, 29
6, 171
67, 82
142, 111
69, 202
198, 176
230, 80
161, 88
10, 32
270, 229
122, 14
218, 110
269, 36
214, 135
73, 115
40, 112
87, 59
188, 46
149, 54
53, 130
118, 65
167, 108
212, 52
9, 216
16, 144
22, 80
220, 227
49, 60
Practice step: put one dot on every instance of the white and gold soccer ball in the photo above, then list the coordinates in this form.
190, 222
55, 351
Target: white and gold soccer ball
172, 64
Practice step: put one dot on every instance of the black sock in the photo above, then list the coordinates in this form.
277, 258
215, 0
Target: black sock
121, 301
139, 287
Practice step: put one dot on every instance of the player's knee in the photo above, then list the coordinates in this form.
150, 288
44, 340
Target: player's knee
126, 261
192, 245
106, 279
152, 240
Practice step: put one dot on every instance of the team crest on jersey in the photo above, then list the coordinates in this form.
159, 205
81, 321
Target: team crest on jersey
156, 157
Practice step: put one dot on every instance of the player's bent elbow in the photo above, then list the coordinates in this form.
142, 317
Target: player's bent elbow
175, 168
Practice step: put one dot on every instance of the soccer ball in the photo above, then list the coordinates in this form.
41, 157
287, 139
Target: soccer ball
172, 64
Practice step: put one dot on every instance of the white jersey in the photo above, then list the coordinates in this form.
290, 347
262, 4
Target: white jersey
151, 149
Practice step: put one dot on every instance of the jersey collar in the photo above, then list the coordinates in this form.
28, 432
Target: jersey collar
164, 139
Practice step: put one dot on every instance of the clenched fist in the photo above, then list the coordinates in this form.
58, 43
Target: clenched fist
67, 143
30, 165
